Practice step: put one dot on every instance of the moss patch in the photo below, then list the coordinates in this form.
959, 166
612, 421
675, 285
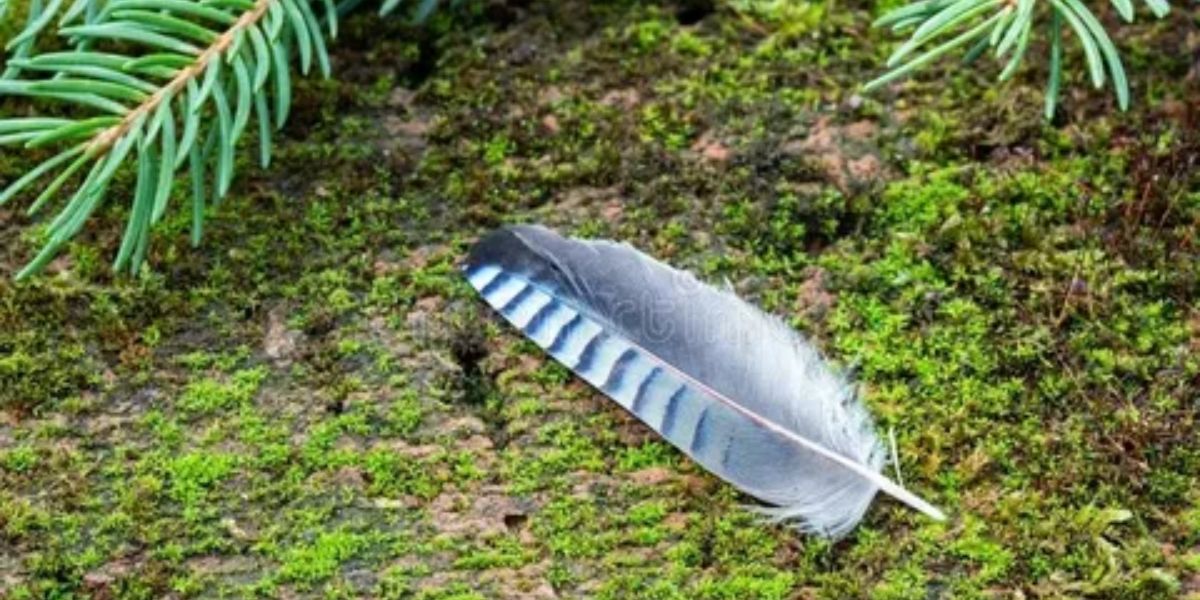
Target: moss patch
314, 404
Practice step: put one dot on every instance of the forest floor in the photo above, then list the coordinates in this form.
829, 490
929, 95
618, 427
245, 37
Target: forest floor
313, 403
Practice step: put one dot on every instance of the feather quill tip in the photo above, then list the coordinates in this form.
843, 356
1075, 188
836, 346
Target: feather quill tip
915, 502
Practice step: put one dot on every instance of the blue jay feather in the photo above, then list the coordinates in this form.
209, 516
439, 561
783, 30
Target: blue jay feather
735, 389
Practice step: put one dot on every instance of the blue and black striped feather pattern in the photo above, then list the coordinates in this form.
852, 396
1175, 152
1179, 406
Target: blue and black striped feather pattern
734, 388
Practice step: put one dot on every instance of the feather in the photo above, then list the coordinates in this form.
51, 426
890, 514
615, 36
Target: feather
735, 389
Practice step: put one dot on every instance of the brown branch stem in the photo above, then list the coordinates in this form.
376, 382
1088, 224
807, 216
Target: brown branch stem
105, 139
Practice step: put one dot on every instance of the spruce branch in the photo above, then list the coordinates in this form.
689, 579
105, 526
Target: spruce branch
1005, 27
198, 63
107, 137
200, 71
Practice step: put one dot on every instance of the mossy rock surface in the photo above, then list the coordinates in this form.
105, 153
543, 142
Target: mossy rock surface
314, 403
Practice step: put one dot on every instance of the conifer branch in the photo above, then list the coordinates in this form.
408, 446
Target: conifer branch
205, 69
1002, 29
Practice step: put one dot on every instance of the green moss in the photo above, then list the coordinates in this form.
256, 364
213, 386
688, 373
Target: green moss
395, 475
501, 552
406, 413
208, 395
1018, 298
568, 451
571, 528
192, 475
651, 454
19, 460
748, 582
318, 561
31, 377
453, 592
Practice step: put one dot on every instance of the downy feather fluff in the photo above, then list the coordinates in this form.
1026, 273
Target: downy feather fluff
734, 388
